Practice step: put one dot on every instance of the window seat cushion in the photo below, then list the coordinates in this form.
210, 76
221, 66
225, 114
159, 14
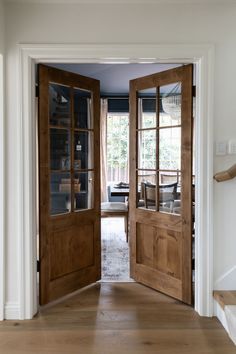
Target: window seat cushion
113, 206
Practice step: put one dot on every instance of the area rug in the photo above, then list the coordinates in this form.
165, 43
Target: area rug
115, 251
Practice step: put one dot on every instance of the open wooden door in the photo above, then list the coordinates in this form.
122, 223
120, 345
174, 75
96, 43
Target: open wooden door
69, 182
161, 181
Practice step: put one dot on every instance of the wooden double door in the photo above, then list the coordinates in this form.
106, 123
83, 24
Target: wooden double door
69, 182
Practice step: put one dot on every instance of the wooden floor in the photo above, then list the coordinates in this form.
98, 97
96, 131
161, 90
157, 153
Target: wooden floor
116, 318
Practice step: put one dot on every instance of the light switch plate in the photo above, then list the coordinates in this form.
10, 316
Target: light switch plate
221, 147
232, 147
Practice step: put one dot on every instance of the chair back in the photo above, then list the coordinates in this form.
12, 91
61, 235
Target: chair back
149, 195
170, 178
167, 194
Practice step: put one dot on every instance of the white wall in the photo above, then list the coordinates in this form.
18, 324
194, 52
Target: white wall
45, 23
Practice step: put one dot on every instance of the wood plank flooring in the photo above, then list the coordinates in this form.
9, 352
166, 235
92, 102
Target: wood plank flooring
116, 318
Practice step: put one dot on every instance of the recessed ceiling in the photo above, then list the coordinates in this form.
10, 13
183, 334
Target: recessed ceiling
114, 78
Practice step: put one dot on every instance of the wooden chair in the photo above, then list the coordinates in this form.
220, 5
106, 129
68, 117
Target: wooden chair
170, 178
116, 209
167, 195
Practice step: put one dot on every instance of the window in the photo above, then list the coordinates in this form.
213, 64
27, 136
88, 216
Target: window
117, 147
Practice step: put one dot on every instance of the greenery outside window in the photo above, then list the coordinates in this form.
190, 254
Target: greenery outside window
117, 147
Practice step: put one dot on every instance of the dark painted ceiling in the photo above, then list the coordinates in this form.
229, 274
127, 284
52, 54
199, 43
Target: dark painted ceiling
114, 78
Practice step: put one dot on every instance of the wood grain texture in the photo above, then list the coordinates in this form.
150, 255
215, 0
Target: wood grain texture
113, 319
70, 245
74, 247
161, 243
225, 297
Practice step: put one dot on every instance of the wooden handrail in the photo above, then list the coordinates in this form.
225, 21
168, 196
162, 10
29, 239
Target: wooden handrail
226, 175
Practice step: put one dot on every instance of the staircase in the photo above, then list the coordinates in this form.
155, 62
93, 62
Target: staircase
225, 310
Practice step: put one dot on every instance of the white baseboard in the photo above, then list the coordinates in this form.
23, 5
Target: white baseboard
227, 281
220, 314
12, 311
230, 314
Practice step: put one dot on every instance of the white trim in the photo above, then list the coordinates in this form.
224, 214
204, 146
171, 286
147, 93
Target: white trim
12, 311
27, 207
204, 186
202, 56
2, 191
220, 314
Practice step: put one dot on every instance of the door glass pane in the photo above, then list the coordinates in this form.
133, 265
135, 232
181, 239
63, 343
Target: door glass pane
147, 108
170, 148
82, 109
60, 192
83, 150
170, 192
170, 105
147, 149
59, 105
83, 188
59, 149
146, 189
168, 177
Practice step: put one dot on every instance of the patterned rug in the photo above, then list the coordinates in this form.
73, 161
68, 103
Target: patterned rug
115, 251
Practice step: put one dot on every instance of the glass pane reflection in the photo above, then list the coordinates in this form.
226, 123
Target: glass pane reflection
59, 105
170, 105
147, 108
170, 148
147, 149
59, 149
60, 192
83, 189
83, 150
82, 109
146, 189
170, 192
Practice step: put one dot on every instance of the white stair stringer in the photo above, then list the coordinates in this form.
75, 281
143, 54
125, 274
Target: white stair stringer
230, 314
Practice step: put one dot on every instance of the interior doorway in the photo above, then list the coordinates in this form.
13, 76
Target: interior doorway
118, 97
203, 57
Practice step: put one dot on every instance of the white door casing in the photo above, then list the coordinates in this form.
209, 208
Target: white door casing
29, 55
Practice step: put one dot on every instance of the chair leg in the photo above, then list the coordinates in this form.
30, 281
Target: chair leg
127, 227
125, 224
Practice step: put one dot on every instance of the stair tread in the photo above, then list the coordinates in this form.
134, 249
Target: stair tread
225, 297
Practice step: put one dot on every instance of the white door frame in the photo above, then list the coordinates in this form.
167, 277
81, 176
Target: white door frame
2, 189
203, 57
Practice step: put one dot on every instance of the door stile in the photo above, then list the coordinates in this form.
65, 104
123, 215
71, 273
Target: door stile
186, 165
133, 174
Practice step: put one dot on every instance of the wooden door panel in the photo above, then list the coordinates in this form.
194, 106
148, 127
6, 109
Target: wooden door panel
158, 281
161, 236
145, 239
69, 182
159, 249
167, 252
72, 282
78, 242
